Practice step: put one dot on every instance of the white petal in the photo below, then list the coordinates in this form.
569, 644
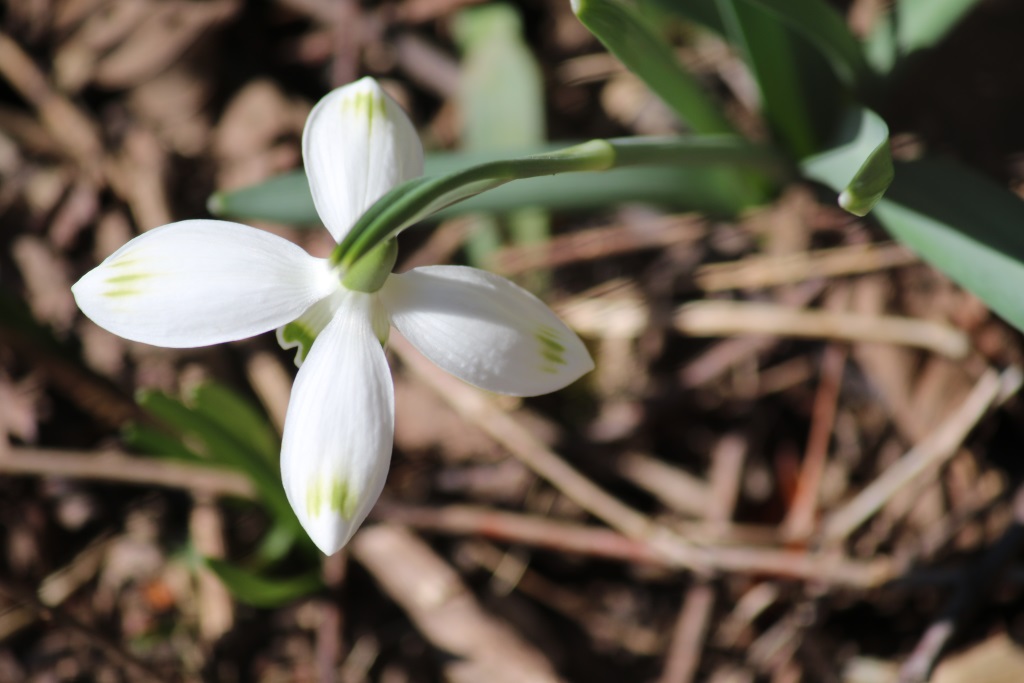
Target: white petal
339, 427
202, 282
485, 330
357, 145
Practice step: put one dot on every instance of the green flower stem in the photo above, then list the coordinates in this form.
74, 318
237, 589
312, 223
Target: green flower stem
369, 273
416, 199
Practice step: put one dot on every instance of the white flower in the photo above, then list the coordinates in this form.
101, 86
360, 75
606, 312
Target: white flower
201, 282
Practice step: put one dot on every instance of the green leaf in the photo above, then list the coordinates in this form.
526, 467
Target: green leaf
965, 225
501, 99
826, 29
158, 442
673, 188
238, 418
262, 591
501, 93
277, 542
859, 166
913, 25
207, 437
281, 199
627, 36
771, 52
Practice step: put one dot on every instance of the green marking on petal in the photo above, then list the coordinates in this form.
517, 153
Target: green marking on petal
127, 277
551, 350
314, 499
365, 103
343, 498
298, 336
118, 293
553, 356
334, 494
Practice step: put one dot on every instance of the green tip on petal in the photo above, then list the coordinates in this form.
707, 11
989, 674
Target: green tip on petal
368, 103
331, 495
552, 351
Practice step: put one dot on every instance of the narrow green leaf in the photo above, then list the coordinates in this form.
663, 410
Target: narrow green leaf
262, 591
209, 438
627, 36
277, 542
676, 188
157, 442
282, 199
238, 418
501, 100
859, 167
913, 25
965, 225
771, 52
501, 93
815, 20
826, 29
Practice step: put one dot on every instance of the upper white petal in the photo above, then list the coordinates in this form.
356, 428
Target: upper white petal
357, 145
202, 282
485, 330
339, 427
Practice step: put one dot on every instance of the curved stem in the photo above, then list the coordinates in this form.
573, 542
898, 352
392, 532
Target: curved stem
421, 197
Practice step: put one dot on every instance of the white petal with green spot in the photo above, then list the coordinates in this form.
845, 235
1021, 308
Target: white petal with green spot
339, 427
357, 145
201, 282
485, 330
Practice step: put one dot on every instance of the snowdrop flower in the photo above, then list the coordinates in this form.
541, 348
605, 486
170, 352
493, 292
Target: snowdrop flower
201, 282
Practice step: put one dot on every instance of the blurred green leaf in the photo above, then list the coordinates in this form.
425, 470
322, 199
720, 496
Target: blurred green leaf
501, 93
282, 199
501, 98
815, 20
238, 418
262, 591
913, 25
772, 55
644, 52
158, 442
278, 542
826, 29
859, 167
965, 225
805, 75
204, 433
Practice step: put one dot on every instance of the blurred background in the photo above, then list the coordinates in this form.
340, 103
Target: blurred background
798, 458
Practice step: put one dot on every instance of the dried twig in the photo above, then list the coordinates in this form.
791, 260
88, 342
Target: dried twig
799, 522
926, 455
756, 272
121, 467
723, 318
684, 654
595, 243
445, 611
566, 537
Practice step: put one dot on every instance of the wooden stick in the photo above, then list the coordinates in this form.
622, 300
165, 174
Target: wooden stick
446, 612
116, 466
758, 272
927, 455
